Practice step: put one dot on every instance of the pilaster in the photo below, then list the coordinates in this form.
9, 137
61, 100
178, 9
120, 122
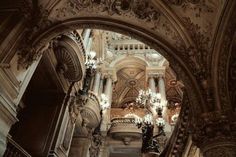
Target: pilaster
7, 119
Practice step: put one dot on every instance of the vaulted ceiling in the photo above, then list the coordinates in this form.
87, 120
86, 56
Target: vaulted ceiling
129, 81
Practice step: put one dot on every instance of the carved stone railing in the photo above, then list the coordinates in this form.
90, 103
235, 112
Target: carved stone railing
125, 129
15, 150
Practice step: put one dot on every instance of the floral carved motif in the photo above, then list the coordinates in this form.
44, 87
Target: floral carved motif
197, 55
198, 6
197, 58
140, 9
36, 20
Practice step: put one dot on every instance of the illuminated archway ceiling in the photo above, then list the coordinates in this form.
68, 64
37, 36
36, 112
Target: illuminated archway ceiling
129, 81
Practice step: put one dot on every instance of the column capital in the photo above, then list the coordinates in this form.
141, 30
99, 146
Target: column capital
99, 70
155, 71
110, 75
156, 75
213, 128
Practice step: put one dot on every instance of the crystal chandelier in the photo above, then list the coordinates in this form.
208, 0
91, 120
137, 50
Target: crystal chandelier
148, 97
152, 102
90, 62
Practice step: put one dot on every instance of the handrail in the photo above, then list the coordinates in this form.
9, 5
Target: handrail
123, 120
14, 149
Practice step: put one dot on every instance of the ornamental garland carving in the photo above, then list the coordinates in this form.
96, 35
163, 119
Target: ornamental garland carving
197, 55
140, 9
198, 6
36, 20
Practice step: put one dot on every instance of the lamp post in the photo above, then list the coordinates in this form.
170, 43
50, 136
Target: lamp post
152, 102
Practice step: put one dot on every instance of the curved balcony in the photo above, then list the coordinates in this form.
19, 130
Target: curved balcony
125, 129
70, 55
90, 112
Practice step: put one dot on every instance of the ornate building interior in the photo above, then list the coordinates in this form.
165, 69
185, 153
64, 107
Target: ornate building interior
117, 78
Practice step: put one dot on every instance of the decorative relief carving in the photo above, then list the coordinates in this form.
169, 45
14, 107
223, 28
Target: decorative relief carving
222, 151
36, 20
197, 55
181, 131
198, 6
96, 143
138, 9
73, 109
215, 127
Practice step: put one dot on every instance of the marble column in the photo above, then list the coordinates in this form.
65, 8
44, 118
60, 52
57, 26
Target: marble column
101, 86
108, 88
89, 44
106, 113
96, 82
162, 91
86, 35
152, 85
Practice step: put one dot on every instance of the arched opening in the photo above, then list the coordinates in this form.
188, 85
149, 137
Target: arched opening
147, 62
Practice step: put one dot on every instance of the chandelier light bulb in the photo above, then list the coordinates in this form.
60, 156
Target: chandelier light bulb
160, 122
92, 54
148, 119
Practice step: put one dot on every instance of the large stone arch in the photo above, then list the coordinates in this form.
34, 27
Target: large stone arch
165, 49
223, 48
173, 45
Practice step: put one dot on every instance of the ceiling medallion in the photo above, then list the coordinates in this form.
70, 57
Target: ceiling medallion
173, 83
132, 82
